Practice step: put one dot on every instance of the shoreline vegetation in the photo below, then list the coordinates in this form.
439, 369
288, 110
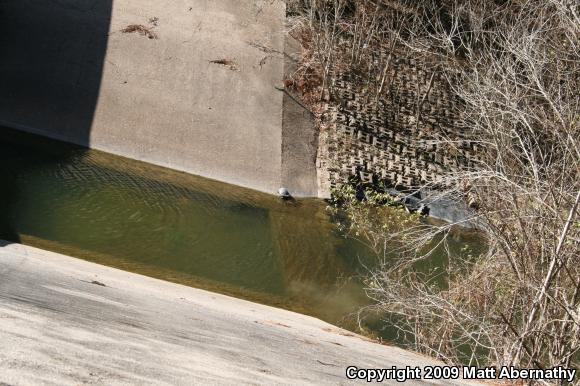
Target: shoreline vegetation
510, 141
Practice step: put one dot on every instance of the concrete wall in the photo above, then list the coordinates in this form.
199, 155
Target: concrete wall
299, 134
67, 322
67, 71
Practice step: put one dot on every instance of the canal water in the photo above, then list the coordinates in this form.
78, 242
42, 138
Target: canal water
178, 227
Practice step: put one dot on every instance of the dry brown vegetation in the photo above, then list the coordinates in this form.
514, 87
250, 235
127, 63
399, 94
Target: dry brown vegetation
229, 63
515, 67
141, 30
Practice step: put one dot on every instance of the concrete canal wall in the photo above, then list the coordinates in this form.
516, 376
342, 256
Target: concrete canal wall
187, 84
67, 321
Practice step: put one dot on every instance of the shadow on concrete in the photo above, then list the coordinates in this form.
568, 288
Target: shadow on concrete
51, 61
52, 54
21, 154
8, 230
4, 243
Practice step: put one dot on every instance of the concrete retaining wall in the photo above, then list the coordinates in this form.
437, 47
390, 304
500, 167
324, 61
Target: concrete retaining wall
67, 71
68, 322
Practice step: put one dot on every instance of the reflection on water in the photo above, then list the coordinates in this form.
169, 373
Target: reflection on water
177, 227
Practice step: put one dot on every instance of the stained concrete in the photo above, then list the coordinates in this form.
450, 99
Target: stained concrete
299, 133
66, 321
67, 71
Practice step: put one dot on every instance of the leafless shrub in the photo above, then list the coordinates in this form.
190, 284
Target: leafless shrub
515, 68
346, 36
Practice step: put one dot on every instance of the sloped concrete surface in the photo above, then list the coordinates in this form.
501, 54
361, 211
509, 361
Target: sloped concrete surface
197, 94
66, 321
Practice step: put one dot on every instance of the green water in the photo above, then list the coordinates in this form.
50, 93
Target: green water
178, 227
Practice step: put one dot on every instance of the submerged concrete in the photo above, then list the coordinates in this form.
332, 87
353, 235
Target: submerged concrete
187, 84
67, 321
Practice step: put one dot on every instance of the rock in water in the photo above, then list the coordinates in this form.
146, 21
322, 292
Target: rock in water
284, 193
